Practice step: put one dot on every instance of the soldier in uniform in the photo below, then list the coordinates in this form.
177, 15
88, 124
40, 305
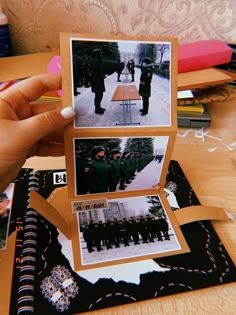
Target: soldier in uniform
82, 171
85, 70
88, 237
123, 230
131, 67
125, 168
145, 84
97, 80
97, 237
114, 169
119, 71
164, 227
98, 171
133, 231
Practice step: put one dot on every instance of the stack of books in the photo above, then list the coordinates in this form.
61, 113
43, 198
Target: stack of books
187, 103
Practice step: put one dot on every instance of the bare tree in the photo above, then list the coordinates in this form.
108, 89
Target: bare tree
163, 49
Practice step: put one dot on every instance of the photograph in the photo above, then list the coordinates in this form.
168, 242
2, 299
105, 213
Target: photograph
120, 82
129, 227
107, 165
5, 213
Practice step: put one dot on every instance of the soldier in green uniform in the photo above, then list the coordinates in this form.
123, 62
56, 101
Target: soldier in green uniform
114, 169
145, 84
98, 171
82, 171
125, 170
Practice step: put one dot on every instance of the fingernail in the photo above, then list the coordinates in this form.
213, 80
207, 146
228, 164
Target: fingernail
67, 112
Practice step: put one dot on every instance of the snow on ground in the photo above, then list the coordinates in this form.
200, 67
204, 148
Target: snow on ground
159, 108
123, 252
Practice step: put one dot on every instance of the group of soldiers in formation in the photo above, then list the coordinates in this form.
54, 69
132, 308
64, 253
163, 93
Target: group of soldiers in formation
81, 73
126, 232
98, 174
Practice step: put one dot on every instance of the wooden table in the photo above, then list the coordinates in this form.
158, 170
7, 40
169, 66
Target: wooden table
213, 178
126, 94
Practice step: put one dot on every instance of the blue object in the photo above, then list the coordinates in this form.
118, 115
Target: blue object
5, 42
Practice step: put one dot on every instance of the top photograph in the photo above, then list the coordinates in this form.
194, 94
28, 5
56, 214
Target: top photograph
121, 83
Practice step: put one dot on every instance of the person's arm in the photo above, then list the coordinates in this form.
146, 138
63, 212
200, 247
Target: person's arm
30, 129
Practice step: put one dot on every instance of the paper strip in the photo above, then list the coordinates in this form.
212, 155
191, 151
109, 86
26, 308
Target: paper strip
200, 213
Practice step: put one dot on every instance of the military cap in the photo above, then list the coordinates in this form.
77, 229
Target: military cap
115, 151
97, 148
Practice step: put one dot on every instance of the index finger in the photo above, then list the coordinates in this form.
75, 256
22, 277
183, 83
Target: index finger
30, 89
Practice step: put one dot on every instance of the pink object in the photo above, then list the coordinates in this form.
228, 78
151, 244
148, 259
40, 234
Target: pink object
54, 66
202, 55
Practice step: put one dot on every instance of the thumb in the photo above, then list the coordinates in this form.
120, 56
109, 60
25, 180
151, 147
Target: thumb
39, 126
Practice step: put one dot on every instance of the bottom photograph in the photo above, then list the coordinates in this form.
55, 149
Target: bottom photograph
132, 228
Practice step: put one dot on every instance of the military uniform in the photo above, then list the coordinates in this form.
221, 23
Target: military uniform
98, 175
88, 237
97, 80
145, 85
114, 170
82, 175
96, 171
125, 172
131, 67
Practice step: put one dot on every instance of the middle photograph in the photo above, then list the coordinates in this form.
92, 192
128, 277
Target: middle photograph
105, 165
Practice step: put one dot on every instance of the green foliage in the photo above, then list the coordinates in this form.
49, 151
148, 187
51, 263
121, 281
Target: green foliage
140, 145
147, 50
155, 205
83, 49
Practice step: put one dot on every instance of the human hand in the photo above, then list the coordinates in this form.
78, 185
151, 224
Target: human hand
30, 129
